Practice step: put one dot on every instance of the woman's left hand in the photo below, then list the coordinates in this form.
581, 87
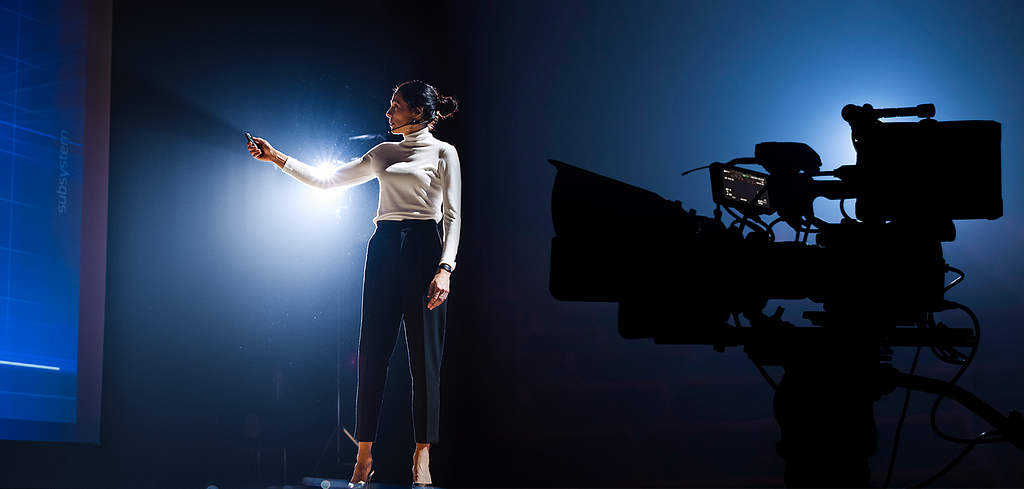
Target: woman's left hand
439, 288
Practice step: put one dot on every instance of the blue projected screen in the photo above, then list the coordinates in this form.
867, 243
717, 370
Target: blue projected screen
49, 177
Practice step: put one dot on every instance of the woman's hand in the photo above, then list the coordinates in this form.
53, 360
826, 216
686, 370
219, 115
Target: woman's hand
262, 150
439, 288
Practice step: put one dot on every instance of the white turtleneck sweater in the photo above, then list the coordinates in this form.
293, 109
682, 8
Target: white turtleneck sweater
419, 179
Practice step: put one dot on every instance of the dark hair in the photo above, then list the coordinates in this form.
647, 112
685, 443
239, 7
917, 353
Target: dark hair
435, 106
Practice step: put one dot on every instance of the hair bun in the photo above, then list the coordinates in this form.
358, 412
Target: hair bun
446, 106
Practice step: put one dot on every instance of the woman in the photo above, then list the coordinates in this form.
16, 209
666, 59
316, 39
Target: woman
409, 260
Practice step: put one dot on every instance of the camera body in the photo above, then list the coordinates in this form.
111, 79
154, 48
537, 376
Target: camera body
679, 277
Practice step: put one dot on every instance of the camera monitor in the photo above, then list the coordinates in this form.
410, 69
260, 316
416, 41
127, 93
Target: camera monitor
740, 188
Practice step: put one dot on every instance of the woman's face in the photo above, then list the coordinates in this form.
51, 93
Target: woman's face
401, 114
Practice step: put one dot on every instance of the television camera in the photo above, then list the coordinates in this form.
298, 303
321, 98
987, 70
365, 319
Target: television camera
683, 278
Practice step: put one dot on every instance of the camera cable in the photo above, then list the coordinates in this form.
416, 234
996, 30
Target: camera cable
899, 424
982, 438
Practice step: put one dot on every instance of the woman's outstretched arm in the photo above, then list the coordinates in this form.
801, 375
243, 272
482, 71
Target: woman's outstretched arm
353, 173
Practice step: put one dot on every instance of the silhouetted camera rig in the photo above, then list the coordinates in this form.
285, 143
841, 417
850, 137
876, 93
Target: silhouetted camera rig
682, 278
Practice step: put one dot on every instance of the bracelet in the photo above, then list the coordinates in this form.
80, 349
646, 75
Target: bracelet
446, 267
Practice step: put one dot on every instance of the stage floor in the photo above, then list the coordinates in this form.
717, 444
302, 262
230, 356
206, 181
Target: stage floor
341, 483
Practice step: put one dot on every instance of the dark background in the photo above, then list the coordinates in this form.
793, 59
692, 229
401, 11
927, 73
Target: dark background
233, 291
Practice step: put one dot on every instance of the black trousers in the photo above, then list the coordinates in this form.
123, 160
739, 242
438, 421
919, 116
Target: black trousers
401, 260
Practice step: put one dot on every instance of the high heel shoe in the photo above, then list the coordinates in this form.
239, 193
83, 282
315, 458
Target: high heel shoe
361, 478
421, 478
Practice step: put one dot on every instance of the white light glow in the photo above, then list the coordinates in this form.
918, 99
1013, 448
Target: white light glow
325, 171
326, 199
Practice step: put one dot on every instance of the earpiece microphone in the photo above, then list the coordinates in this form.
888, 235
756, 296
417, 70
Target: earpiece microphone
414, 121
374, 136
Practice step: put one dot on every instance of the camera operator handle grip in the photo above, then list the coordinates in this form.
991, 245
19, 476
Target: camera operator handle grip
1011, 428
857, 114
